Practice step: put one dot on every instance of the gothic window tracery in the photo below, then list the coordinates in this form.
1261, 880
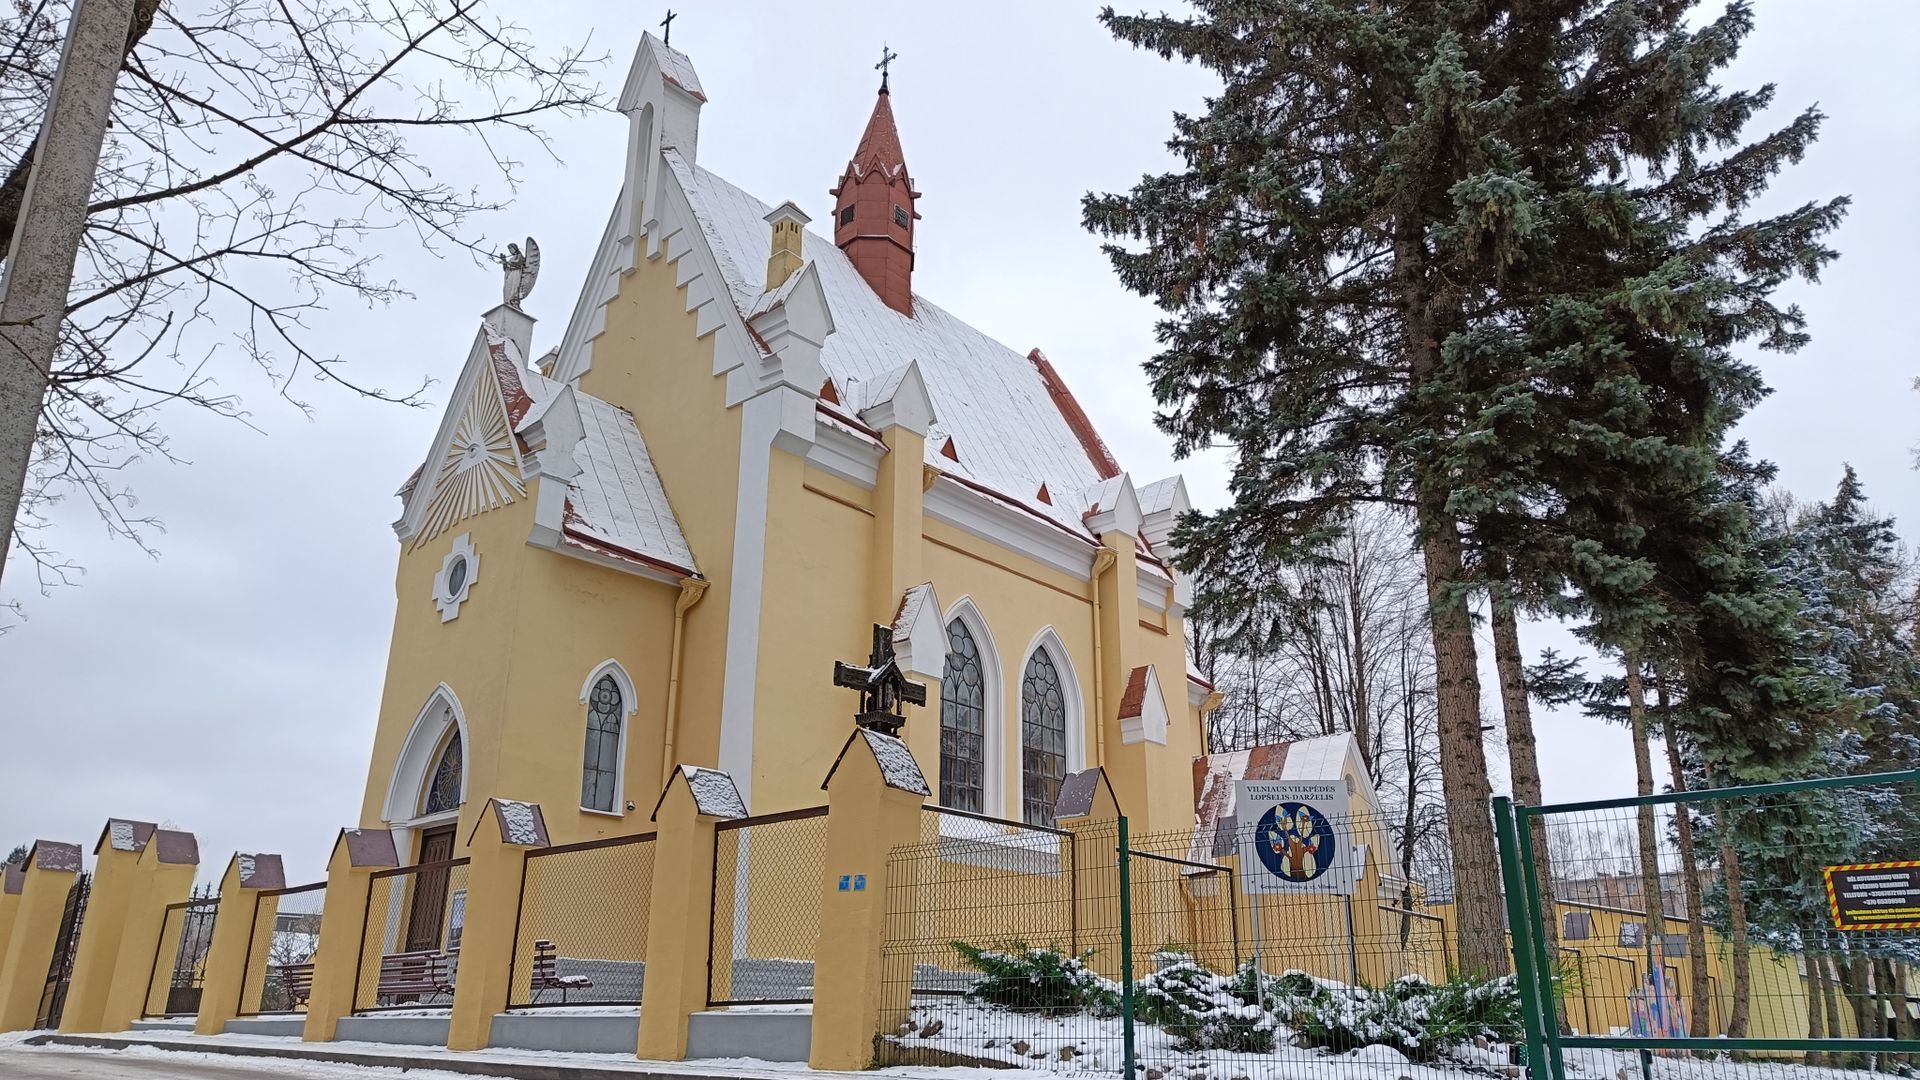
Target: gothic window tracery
600, 775
443, 794
1043, 739
963, 723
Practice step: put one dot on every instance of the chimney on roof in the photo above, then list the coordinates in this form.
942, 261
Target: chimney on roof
789, 231
873, 210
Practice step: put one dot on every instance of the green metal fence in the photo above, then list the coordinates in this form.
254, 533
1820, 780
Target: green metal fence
1774, 924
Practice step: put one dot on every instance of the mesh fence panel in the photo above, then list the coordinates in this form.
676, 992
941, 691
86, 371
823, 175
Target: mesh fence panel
582, 936
280, 951
771, 867
410, 949
983, 965
1714, 919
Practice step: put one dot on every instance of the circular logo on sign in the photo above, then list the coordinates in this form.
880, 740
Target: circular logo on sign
1294, 842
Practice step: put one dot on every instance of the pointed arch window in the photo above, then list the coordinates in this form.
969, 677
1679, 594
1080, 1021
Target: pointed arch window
444, 793
963, 723
600, 775
1043, 739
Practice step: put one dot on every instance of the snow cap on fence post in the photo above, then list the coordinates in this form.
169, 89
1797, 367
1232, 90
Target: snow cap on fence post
168, 863
233, 977
680, 906
357, 855
45, 881
875, 791
116, 860
497, 851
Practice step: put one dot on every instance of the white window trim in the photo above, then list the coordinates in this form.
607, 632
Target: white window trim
444, 599
994, 689
413, 768
630, 703
1049, 639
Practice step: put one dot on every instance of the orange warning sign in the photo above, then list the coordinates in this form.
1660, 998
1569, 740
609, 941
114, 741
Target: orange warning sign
1875, 896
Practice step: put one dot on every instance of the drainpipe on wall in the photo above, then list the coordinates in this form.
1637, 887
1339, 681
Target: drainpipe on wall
691, 590
1103, 561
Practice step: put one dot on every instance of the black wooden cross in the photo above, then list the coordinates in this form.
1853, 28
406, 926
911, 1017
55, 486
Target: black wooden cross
882, 685
666, 25
887, 57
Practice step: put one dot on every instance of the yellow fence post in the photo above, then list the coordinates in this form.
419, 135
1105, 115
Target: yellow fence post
1087, 807
13, 877
498, 850
874, 794
357, 854
167, 867
116, 877
44, 886
680, 910
236, 923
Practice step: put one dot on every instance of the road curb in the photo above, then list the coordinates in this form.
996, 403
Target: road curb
515, 1070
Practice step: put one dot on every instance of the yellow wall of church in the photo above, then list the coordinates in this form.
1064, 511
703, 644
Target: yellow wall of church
652, 362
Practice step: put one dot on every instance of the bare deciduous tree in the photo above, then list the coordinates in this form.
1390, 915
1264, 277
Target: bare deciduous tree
261, 153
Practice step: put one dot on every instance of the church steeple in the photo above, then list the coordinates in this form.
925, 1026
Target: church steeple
873, 212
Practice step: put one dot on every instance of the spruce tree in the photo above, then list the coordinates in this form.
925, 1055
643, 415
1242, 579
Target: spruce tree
1481, 260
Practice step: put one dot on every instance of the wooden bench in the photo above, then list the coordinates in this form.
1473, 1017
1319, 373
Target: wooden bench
297, 980
410, 976
546, 973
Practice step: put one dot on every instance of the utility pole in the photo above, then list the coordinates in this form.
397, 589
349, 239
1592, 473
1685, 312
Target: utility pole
52, 222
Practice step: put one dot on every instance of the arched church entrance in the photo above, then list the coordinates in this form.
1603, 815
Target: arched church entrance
427, 914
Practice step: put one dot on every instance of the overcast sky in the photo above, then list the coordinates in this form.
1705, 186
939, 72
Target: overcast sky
230, 686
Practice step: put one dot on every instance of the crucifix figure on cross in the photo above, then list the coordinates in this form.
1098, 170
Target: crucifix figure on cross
883, 686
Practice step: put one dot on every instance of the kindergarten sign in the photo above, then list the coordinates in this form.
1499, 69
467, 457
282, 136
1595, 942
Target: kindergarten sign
1296, 838
1875, 896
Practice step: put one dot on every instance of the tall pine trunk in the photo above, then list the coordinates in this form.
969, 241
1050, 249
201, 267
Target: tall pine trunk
1523, 757
1816, 1012
1830, 1001
1741, 960
1698, 1015
1463, 758
1648, 822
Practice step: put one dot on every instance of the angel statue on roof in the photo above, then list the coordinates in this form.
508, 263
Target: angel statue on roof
522, 270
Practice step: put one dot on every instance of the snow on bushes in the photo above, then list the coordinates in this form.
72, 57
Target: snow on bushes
1027, 979
1196, 1009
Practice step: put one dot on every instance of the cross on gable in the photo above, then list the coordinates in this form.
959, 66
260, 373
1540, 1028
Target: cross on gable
883, 686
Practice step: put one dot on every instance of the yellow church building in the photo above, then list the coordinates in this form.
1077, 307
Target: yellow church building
648, 544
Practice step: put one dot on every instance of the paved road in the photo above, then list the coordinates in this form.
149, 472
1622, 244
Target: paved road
60, 1064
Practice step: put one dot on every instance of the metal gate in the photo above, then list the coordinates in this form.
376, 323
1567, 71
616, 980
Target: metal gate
1752, 879
179, 957
53, 996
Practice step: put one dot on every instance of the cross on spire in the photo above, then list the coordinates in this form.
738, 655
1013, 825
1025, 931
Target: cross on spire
887, 57
882, 685
666, 27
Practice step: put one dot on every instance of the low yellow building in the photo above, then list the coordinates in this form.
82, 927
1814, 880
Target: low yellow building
648, 544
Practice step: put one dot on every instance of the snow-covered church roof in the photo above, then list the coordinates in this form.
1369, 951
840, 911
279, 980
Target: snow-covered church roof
994, 403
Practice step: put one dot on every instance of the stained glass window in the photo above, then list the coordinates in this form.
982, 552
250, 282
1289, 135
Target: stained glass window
602, 769
1043, 739
444, 793
963, 724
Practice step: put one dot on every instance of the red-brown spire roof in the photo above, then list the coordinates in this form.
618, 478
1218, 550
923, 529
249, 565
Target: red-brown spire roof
880, 143
873, 211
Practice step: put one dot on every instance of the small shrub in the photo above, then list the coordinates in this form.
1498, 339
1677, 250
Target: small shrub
1200, 1008
1411, 1015
1021, 977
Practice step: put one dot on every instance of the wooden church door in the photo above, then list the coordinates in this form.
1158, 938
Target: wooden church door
424, 921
